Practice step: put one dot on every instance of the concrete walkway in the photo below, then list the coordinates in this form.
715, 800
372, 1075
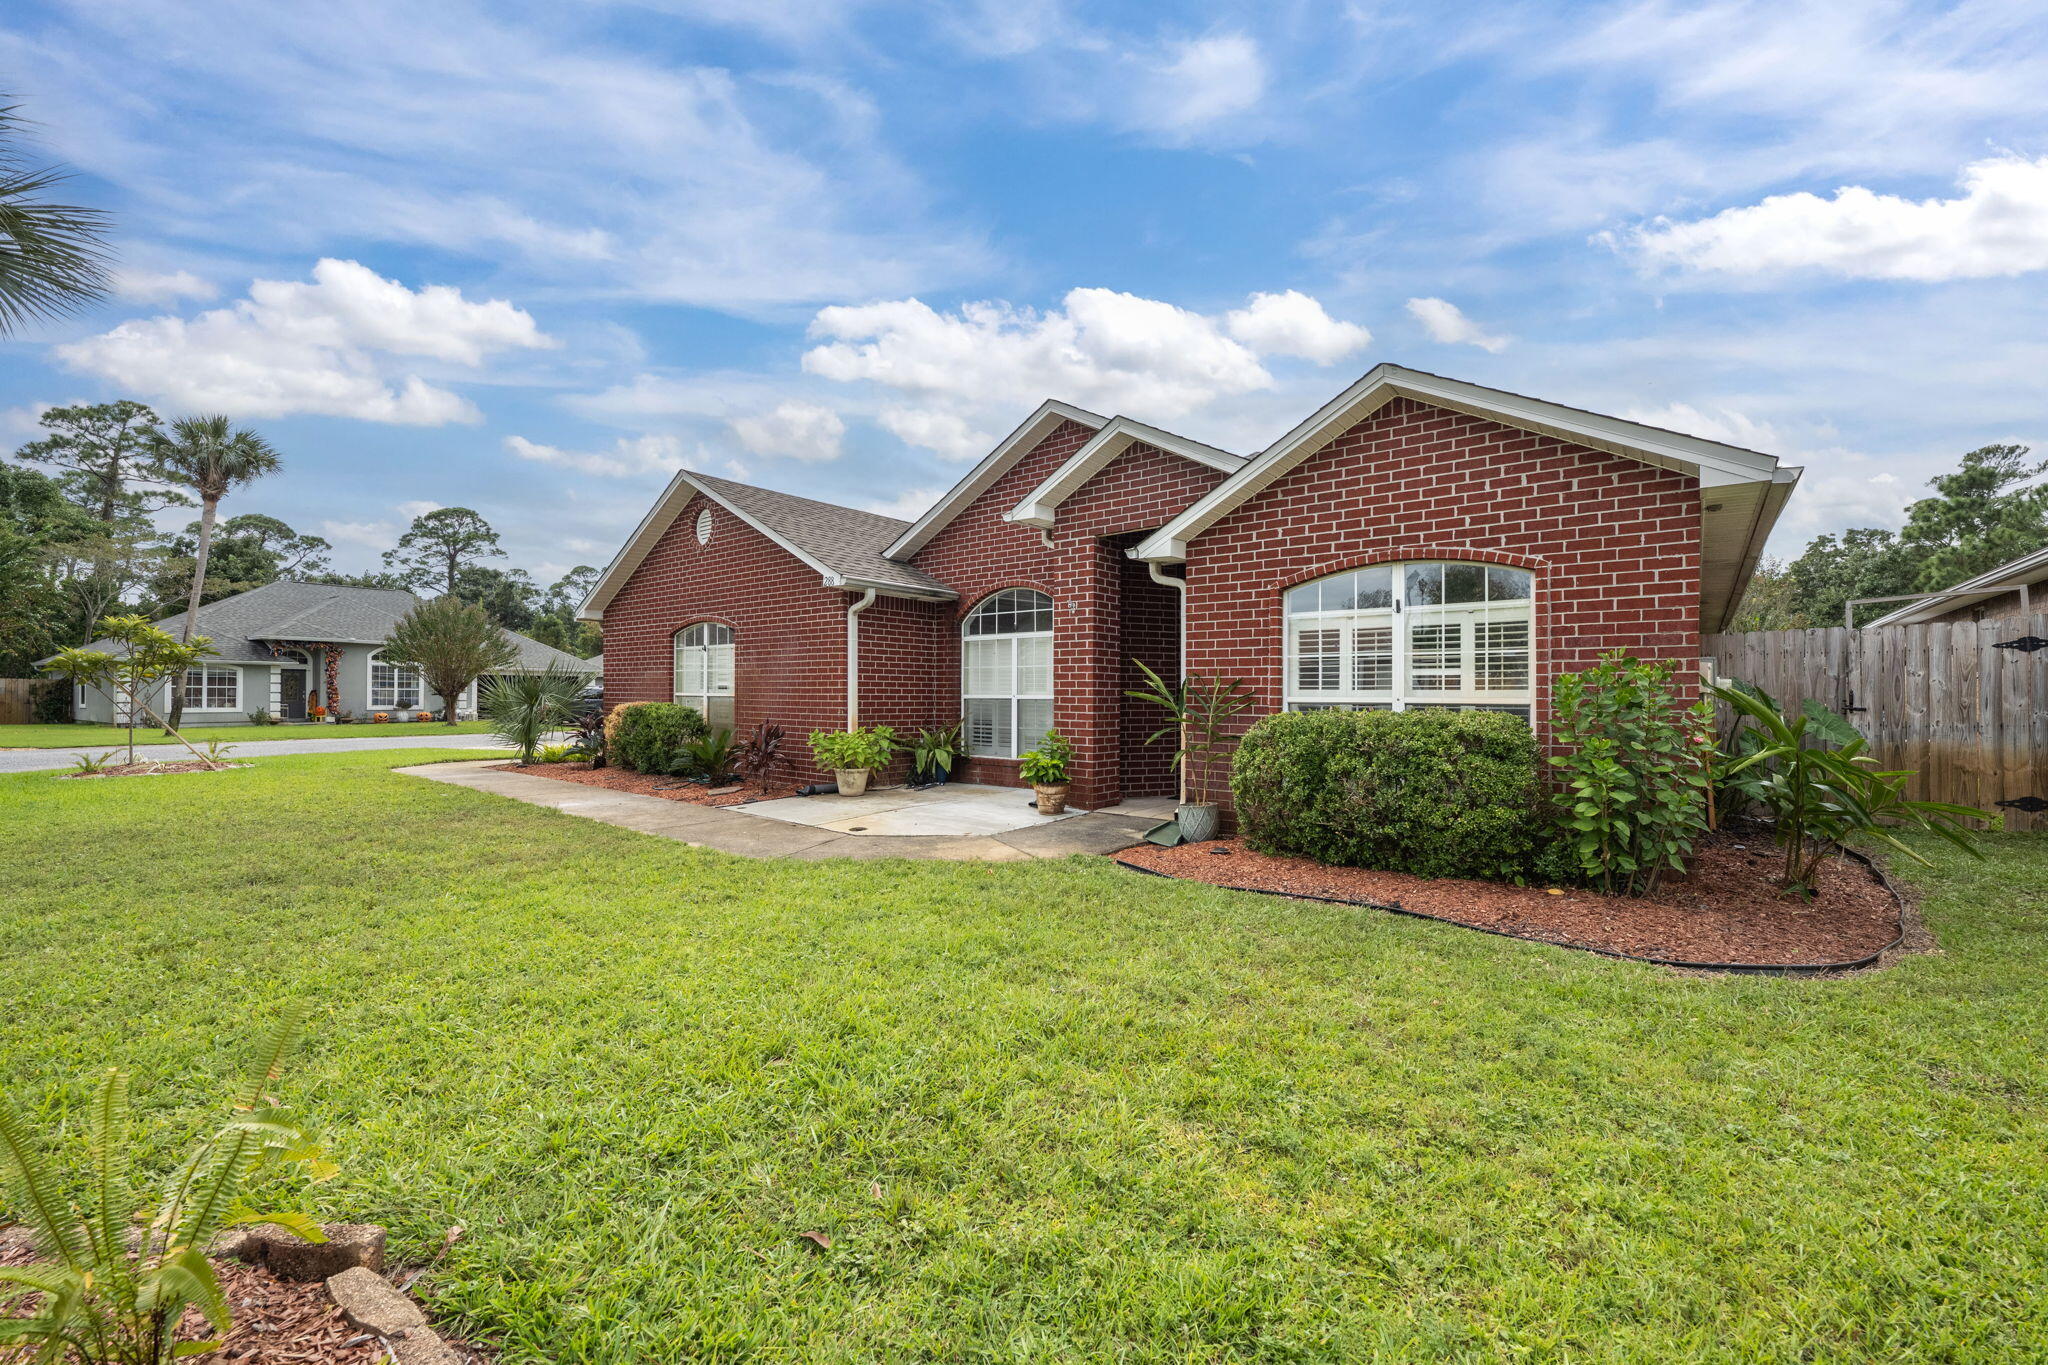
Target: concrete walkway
732, 831
39, 760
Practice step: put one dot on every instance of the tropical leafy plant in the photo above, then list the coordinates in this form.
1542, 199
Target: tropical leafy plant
762, 755
1198, 712
53, 259
839, 751
1633, 773
146, 656
451, 643
1048, 764
555, 753
91, 765
524, 707
710, 757
111, 1287
217, 751
933, 752
1822, 796
589, 741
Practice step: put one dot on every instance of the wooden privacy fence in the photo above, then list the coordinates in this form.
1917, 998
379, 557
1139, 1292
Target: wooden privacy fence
1964, 704
18, 700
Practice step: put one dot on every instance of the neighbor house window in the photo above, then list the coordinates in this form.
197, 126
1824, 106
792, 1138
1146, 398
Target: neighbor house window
213, 689
1006, 673
704, 677
393, 688
1402, 636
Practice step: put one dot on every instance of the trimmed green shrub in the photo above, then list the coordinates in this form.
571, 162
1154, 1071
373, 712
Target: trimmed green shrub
1435, 793
652, 736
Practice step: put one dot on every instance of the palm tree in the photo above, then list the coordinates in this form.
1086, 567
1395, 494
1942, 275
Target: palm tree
52, 260
208, 455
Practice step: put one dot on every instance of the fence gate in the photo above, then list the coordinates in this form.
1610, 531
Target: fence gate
17, 700
1964, 703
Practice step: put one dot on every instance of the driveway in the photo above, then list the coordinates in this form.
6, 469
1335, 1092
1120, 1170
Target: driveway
39, 760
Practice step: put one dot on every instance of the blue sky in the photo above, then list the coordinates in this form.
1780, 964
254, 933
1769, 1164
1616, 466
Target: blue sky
532, 258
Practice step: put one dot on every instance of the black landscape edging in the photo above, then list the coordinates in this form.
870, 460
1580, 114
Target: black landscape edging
1740, 968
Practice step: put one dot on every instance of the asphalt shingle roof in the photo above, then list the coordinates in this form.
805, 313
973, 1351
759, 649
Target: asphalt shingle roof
322, 613
846, 541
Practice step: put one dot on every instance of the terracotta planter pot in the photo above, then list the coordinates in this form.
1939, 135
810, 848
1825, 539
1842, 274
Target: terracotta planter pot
1051, 800
1199, 821
852, 781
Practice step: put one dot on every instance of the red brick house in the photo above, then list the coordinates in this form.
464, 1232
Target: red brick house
1417, 541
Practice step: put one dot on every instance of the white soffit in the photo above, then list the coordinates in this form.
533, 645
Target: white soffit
1040, 505
982, 477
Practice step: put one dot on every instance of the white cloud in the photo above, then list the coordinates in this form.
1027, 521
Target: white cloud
410, 510
796, 430
946, 433
372, 535
1998, 225
630, 457
329, 347
1446, 322
1721, 424
143, 286
1294, 324
1191, 86
908, 505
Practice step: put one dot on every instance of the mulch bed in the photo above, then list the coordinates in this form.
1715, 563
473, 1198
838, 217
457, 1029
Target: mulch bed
645, 784
1729, 911
183, 765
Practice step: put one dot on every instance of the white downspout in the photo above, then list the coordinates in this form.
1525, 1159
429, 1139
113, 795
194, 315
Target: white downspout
867, 599
1179, 585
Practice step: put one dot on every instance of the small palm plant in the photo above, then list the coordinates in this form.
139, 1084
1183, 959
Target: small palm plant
524, 707
110, 1288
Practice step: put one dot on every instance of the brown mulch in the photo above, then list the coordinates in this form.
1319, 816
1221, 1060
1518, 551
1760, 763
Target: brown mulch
183, 765
1728, 911
645, 784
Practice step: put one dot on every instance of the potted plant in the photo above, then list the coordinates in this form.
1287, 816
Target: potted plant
932, 754
851, 756
1046, 769
1197, 711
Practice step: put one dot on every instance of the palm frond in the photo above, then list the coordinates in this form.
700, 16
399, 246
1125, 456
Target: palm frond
53, 257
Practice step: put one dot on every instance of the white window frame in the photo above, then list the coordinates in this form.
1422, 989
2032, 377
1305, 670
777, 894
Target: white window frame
1403, 619
1014, 694
199, 690
720, 672
419, 695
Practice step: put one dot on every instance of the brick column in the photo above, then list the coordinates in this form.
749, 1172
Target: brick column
1087, 666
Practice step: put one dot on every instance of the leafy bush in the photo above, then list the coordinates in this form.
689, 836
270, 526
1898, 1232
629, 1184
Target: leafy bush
1046, 766
650, 736
839, 751
1436, 793
1632, 780
555, 753
52, 703
116, 1278
263, 717
1823, 795
710, 757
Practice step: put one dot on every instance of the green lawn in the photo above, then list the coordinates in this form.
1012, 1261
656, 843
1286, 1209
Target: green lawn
109, 736
1043, 1111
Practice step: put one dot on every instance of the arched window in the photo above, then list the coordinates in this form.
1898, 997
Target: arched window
392, 688
704, 672
1006, 673
1401, 636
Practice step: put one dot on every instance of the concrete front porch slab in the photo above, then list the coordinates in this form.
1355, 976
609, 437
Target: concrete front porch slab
735, 830
955, 808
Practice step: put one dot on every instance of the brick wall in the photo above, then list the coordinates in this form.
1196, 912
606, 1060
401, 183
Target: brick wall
978, 553
1613, 543
789, 630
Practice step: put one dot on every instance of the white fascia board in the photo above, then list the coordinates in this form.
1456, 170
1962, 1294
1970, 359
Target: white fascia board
834, 580
993, 466
1040, 505
2029, 569
1710, 461
672, 501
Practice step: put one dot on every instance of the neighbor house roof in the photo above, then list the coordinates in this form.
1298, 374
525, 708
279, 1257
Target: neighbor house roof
1117, 435
845, 546
1741, 491
241, 627
2029, 569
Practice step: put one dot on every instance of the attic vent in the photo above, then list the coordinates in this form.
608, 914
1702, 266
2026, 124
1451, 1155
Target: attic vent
704, 527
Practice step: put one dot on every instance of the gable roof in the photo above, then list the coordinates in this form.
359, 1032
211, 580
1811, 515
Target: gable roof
1117, 436
845, 546
242, 626
2030, 568
998, 462
1742, 491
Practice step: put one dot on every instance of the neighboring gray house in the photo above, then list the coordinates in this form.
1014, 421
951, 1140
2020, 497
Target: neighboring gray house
287, 647
2008, 590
